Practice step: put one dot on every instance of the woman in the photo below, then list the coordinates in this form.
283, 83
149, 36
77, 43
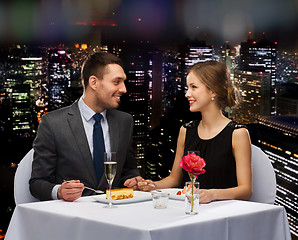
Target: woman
224, 145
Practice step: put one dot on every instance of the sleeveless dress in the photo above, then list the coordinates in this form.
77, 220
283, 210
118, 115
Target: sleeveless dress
217, 152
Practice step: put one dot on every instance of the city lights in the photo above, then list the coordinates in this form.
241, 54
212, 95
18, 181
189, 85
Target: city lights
35, 84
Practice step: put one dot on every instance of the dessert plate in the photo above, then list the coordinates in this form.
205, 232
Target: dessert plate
138, 196
173, 193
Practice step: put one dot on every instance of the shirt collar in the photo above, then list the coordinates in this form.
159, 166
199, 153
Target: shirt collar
87, 112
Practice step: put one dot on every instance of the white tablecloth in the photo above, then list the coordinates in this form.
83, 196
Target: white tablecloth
88, 219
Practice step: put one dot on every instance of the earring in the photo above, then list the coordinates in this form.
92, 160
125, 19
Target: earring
212, 99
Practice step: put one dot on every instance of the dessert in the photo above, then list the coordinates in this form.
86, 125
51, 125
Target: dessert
196, 190
120, 193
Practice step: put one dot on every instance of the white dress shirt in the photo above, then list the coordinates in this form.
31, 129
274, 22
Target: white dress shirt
88, 122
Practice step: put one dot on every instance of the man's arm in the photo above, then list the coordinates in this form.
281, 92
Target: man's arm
43, 165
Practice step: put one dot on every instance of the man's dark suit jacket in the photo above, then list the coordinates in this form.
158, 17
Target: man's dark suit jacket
61, 151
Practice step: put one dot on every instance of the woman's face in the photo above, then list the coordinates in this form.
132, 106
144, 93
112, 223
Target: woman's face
198, 95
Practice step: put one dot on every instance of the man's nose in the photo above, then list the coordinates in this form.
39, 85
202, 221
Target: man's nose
123, 88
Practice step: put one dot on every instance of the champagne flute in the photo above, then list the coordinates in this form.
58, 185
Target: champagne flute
110, 167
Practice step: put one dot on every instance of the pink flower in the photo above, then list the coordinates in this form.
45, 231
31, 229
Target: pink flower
193, 164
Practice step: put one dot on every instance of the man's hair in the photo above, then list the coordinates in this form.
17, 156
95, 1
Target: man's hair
96, 64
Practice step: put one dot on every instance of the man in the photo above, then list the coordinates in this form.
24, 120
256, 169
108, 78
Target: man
65, 159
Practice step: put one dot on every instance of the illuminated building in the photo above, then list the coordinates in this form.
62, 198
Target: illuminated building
278, 137
175, 111
173, 80
260, 56
287, 67
197, 52
287, 87
228, 57
138, 68
161, 150
194, 52
25, 74
2, 79
59, 77
254, 88
162, 136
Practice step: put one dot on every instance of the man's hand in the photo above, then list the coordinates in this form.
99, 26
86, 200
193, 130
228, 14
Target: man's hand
70, 190
133, 182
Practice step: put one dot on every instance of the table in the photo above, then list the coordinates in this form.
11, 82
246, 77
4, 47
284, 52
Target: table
88, 219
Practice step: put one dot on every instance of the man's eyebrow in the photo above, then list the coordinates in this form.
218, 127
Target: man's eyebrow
120, 78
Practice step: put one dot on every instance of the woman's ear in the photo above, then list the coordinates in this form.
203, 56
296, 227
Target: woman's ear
213, 94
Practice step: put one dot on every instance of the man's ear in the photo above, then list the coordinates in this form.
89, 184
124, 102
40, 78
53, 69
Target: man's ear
92, 82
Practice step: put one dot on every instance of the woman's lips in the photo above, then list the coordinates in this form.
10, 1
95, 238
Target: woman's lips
191, 102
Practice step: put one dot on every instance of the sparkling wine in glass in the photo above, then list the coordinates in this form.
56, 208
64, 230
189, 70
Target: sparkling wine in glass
110, 168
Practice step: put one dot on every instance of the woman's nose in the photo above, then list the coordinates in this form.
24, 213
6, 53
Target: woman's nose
187, 94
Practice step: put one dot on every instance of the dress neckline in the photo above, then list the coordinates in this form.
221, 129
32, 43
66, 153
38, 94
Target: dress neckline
209, 139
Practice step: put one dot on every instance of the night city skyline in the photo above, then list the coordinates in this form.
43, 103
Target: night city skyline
43, 44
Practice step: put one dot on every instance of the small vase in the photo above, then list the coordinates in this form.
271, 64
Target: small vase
192, 197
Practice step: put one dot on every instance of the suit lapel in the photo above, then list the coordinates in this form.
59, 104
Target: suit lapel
113, 129
75, 122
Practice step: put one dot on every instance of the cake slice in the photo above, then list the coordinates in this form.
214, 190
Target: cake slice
120, 193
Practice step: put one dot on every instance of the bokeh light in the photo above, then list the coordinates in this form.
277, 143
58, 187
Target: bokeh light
167, 20
23, 21
235, 26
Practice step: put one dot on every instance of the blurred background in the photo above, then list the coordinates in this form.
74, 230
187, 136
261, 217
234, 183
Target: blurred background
44, 42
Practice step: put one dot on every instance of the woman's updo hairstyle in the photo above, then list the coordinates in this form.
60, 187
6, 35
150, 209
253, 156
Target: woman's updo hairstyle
216, 77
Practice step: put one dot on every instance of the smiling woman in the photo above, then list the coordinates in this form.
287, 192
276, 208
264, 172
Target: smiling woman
224, 145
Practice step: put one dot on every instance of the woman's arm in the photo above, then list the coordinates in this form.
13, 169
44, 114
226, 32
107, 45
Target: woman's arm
241, 146
176, 175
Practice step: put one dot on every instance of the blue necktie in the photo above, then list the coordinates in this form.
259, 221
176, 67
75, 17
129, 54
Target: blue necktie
98, 146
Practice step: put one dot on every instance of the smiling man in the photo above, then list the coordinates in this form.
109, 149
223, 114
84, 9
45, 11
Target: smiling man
70, 141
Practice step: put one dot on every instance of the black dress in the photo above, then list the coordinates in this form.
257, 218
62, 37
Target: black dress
217, 152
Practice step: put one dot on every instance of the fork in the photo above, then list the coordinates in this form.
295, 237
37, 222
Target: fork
89, 188
96, 191
155, 189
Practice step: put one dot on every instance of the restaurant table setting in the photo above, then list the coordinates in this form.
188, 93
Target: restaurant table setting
160, 214
138, 219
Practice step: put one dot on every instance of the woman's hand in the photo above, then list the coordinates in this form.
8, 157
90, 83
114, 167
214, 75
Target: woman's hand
146, 185
206, 195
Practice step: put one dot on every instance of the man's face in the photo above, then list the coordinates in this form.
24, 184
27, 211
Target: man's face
109, 89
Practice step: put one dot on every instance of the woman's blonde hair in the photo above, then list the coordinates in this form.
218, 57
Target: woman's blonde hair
216, 77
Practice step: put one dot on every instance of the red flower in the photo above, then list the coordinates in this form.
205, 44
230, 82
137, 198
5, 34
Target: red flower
193, 164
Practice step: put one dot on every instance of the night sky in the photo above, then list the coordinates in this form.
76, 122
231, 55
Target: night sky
158, 21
